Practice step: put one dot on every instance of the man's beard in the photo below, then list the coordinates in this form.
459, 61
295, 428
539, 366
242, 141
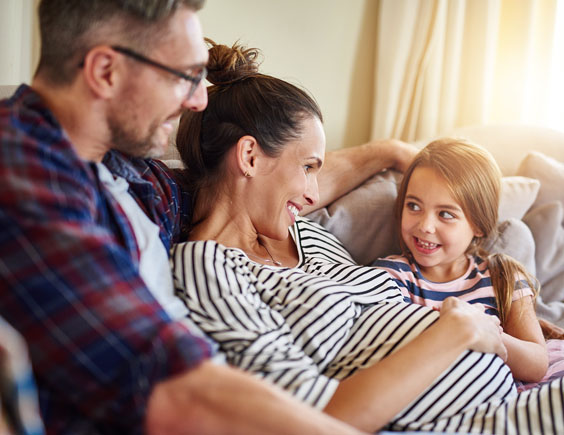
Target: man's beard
125, 140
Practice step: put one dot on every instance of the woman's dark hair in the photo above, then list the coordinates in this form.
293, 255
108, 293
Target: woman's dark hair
241, 101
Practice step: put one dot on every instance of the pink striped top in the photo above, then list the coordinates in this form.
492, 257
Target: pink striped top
473, 286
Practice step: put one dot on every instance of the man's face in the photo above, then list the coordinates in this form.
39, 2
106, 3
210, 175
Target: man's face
151, 100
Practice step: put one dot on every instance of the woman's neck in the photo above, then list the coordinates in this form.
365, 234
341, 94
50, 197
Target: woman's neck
227, 223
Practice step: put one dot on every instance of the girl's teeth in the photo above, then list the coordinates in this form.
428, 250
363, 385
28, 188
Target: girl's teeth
427, 245
293, 210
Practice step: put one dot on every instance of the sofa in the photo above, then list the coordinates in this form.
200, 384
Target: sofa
531, 210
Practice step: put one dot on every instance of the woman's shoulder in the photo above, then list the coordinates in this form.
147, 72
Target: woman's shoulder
304, 223
195, 244
210, 249
315, 240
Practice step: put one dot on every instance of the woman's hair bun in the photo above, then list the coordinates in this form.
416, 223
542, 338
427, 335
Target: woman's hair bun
231, 64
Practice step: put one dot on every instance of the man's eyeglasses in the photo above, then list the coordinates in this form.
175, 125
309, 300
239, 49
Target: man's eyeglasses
140, 58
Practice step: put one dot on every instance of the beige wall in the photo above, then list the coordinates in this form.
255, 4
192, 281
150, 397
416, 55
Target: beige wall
18, 41
326, 46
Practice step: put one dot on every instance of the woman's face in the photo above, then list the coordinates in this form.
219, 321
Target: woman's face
288, 182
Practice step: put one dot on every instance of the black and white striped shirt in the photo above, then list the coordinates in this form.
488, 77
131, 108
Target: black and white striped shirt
307, 327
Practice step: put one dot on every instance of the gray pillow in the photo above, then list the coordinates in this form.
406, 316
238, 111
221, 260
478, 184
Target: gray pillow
547, 225
363, 218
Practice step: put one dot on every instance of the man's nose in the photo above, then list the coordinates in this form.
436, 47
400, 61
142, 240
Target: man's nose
199, 100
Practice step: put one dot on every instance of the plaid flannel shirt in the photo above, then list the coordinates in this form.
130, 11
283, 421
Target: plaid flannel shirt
98, 339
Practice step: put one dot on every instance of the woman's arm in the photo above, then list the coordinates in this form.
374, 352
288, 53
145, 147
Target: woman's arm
523, 338
371, 397
346, 168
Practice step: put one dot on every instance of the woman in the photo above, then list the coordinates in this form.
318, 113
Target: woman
297, 310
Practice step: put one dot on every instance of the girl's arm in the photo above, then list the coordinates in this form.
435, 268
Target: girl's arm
523, 338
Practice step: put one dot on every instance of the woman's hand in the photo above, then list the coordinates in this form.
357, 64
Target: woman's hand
346, 168
403, 153
483, 331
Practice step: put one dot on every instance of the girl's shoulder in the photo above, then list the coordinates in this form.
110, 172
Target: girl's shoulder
394, 261
398, 266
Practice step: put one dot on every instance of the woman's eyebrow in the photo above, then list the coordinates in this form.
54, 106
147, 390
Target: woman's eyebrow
318, 161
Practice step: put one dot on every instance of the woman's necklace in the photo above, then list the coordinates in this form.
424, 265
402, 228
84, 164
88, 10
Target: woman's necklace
271, 260
276, 263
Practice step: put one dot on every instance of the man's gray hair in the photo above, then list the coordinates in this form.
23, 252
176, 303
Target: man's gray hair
70, 28
154, 10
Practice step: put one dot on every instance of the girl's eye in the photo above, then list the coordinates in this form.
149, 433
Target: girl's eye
308, 168
446, 215
412, 206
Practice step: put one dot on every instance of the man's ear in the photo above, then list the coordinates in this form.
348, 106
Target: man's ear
102, 71
248, 150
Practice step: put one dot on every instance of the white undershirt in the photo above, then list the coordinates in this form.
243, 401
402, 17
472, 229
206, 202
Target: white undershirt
154, 266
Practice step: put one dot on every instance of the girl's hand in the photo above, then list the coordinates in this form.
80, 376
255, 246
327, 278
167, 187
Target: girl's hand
483, 331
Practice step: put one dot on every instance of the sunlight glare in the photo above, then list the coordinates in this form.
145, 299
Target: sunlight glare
556, 103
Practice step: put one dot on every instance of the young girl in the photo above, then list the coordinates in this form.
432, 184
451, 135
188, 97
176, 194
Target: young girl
447, 206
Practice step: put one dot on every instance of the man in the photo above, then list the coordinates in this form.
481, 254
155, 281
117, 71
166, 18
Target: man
88, 218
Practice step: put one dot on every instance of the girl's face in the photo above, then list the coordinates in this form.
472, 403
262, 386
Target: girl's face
434, 227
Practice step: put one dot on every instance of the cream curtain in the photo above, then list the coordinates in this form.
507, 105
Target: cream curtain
442, 64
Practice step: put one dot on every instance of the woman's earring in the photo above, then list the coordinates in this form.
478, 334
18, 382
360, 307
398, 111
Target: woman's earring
247, 174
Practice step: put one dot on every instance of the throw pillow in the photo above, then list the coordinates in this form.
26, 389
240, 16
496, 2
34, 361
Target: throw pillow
514, 238
549, 172
363, 219
547, 226
517, 196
